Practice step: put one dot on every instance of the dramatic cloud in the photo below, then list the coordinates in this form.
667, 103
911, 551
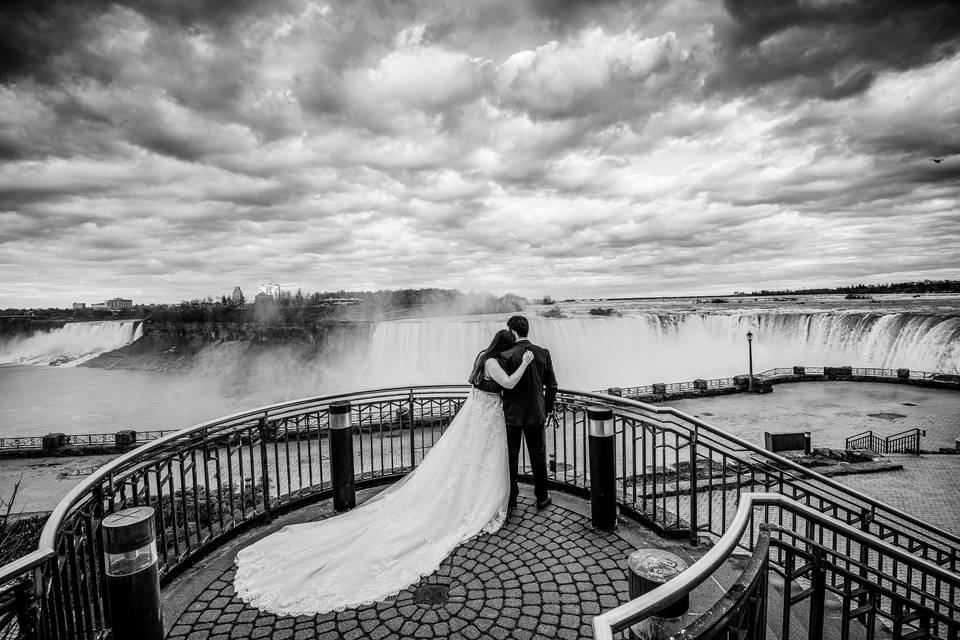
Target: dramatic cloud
169, 150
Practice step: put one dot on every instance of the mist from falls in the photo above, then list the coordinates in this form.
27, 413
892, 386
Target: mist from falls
600, 352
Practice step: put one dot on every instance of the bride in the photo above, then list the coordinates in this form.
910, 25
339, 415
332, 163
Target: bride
460, 489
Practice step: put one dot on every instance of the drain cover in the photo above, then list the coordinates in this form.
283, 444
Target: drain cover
431, 594
887, 416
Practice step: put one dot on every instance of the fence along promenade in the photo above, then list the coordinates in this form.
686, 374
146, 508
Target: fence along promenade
673, 472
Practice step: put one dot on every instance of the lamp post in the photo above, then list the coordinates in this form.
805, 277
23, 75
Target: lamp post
750, 355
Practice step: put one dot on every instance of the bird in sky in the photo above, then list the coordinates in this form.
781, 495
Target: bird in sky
937, 160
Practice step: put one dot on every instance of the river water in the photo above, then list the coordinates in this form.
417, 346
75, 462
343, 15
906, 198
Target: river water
643, 341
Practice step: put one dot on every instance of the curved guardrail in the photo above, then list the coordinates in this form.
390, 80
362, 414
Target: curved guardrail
935, 595
674, 472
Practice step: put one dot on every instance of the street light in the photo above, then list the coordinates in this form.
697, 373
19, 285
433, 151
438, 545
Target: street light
750, 352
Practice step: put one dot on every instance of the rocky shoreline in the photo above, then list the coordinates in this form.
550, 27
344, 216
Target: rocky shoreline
176, 346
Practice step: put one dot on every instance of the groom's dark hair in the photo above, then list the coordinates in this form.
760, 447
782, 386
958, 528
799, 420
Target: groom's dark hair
520, 325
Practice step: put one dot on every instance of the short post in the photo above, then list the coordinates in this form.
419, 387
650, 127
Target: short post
125, 438
132, 574
750, 357
341, 457
648, 569
603, 468
53, 441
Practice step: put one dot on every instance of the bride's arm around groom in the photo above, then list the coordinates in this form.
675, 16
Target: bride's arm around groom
526, 407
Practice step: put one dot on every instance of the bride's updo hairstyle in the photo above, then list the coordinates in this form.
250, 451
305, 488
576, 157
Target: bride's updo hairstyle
502, 341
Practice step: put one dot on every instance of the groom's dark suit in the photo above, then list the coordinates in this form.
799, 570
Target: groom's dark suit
525, 408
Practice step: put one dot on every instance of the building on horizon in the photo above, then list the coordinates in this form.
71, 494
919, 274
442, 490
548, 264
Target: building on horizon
262, 299
119, 304
271, 289
237, 296
79, 305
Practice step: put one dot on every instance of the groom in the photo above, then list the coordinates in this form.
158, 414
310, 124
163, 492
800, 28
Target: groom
526, 407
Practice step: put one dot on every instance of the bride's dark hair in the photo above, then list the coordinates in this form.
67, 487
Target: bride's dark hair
502, 341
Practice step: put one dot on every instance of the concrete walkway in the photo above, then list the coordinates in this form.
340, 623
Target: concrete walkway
928, 487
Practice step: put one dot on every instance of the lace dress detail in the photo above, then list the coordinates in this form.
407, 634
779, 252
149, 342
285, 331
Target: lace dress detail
459, 490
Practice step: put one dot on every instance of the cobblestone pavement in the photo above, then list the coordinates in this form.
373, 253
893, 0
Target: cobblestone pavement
543, 575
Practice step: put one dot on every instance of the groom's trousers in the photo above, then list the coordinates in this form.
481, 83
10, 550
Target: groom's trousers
537, 449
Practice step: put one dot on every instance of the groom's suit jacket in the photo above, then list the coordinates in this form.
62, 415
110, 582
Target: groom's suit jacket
531, 401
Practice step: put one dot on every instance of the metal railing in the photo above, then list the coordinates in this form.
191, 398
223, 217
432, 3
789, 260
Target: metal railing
772, 374
904, 442
817, 557
79, 440
674, 472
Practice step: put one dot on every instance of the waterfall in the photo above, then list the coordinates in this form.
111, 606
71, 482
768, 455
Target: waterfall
599, 352
71, 344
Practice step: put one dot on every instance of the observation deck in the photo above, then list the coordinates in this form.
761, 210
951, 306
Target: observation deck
776, 549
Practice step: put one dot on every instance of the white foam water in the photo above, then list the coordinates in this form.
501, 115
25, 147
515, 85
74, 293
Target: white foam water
72, 344
598, 352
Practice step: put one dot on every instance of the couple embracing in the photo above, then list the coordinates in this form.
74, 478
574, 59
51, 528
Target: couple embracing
528, 392
464, 486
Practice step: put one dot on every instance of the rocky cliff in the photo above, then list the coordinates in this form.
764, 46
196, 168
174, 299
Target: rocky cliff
167, 346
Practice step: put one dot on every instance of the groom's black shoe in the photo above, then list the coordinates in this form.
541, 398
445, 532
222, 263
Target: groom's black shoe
546, 502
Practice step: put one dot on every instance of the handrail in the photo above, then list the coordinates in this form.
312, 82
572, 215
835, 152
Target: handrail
48, 535
617, 619
49, 532
25, 563
804, 471
124, 481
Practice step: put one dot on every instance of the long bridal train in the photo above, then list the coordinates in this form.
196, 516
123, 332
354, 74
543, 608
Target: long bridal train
459, 490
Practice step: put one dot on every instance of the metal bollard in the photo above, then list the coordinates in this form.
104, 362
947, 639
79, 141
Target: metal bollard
341, 457
603, 482
648, 569
132, 574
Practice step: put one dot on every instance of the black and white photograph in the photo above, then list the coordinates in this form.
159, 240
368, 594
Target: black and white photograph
509, 319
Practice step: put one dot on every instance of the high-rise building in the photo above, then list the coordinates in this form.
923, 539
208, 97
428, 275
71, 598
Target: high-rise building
119, 303
79, 305
271, 289
237, 296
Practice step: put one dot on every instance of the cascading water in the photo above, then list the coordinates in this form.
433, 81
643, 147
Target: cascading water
71, 344
598, 352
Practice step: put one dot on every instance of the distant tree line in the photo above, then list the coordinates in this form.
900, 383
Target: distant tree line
298, 307
923, 286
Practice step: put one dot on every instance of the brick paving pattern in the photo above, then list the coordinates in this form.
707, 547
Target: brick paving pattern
928, 487
543, 575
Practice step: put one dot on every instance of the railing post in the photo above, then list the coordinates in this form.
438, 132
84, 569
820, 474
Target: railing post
341, 457
866, 517
26, 610
647, 570
694, 528
603, 468
264, 468
818, 586
413, 440
133, 575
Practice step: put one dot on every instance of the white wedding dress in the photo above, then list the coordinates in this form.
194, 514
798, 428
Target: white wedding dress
389, 542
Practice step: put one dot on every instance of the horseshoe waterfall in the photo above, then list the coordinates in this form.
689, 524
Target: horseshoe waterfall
598, 352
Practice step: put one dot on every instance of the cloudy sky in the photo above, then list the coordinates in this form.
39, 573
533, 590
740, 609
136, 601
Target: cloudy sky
168, 149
